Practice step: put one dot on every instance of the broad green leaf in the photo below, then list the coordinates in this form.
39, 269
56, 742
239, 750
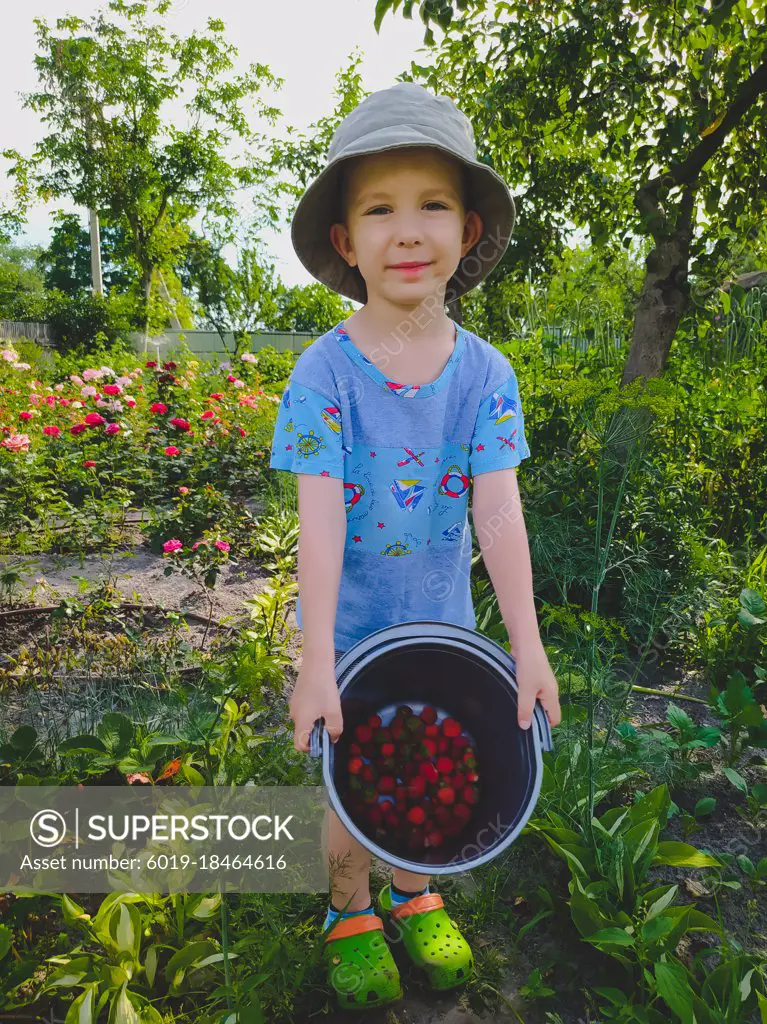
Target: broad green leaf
736, 779
612, 937
122, 1010
682, 855
660, 903
83, 1009
658, 928
704, 806
674, 988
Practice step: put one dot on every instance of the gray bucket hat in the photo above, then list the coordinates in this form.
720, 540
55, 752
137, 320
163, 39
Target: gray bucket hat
406, 114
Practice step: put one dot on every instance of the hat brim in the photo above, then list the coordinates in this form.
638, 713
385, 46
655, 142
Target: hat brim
488, 194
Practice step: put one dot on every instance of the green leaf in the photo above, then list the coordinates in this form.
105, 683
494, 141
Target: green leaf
6, 940
762, 1006
674, 987
658, 928
683, 855
736, 779
612, 937
81, 745
116, 731
704, 806
122, 1010
185, 958
83, 1009
661, 902
150, 964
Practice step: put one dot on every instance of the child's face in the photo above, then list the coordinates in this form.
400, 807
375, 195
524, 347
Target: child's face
405, 206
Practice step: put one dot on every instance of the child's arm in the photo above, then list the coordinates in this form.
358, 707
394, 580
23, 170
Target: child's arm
322, 518
500, 528
322, 532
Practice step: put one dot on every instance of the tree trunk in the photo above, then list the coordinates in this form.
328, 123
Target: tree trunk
663, 301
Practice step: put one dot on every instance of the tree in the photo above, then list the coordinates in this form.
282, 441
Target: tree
66, 262
311, 307
631, 117
104, 86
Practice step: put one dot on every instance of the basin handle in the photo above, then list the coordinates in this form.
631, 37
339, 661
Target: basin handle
315, 739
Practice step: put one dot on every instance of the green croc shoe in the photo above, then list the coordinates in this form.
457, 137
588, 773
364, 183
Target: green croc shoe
361, 969
430, 937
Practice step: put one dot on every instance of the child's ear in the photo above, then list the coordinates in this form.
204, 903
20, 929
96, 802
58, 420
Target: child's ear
341, 242
472, 230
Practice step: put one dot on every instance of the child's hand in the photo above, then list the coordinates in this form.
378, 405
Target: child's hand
535, 680
315, 695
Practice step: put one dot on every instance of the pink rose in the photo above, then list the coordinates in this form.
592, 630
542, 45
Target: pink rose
183, 490
112, 428
172, 450
89, 464
179, 423
26, 415
242, 432
130, 402
16, 442
172, 545
151, 364
78, 428
112, 389
158, 407
207, 415
51, 431
216, 397
94, 419
222, 545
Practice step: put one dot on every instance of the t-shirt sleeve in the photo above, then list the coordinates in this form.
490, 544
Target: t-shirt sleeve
499, 440
307, 434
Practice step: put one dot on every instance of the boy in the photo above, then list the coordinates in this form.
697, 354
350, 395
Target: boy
402, 219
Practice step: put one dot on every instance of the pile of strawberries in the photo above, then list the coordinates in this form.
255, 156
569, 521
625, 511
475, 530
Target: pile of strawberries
414, 780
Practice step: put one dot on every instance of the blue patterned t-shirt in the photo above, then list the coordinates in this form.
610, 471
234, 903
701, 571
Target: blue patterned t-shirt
406, 454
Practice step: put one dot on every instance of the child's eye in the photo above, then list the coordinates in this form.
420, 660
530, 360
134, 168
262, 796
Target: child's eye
433, 202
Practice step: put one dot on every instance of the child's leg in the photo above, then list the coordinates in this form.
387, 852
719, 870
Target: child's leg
409, 881
348, 865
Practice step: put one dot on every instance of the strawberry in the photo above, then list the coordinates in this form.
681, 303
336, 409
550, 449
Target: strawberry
388, 749
368, 750
443, 744
460, 742
434, 838
416, 815
417, 787
470, 794
446, 795
363, 733
375, 814
429, 746
429, 715
355, 748
368, 773
451, 727
444, 765
461, 813
428, 771
355, 765
374, 722
387, 784
431, 731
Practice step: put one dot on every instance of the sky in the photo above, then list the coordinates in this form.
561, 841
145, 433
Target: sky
302, 41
